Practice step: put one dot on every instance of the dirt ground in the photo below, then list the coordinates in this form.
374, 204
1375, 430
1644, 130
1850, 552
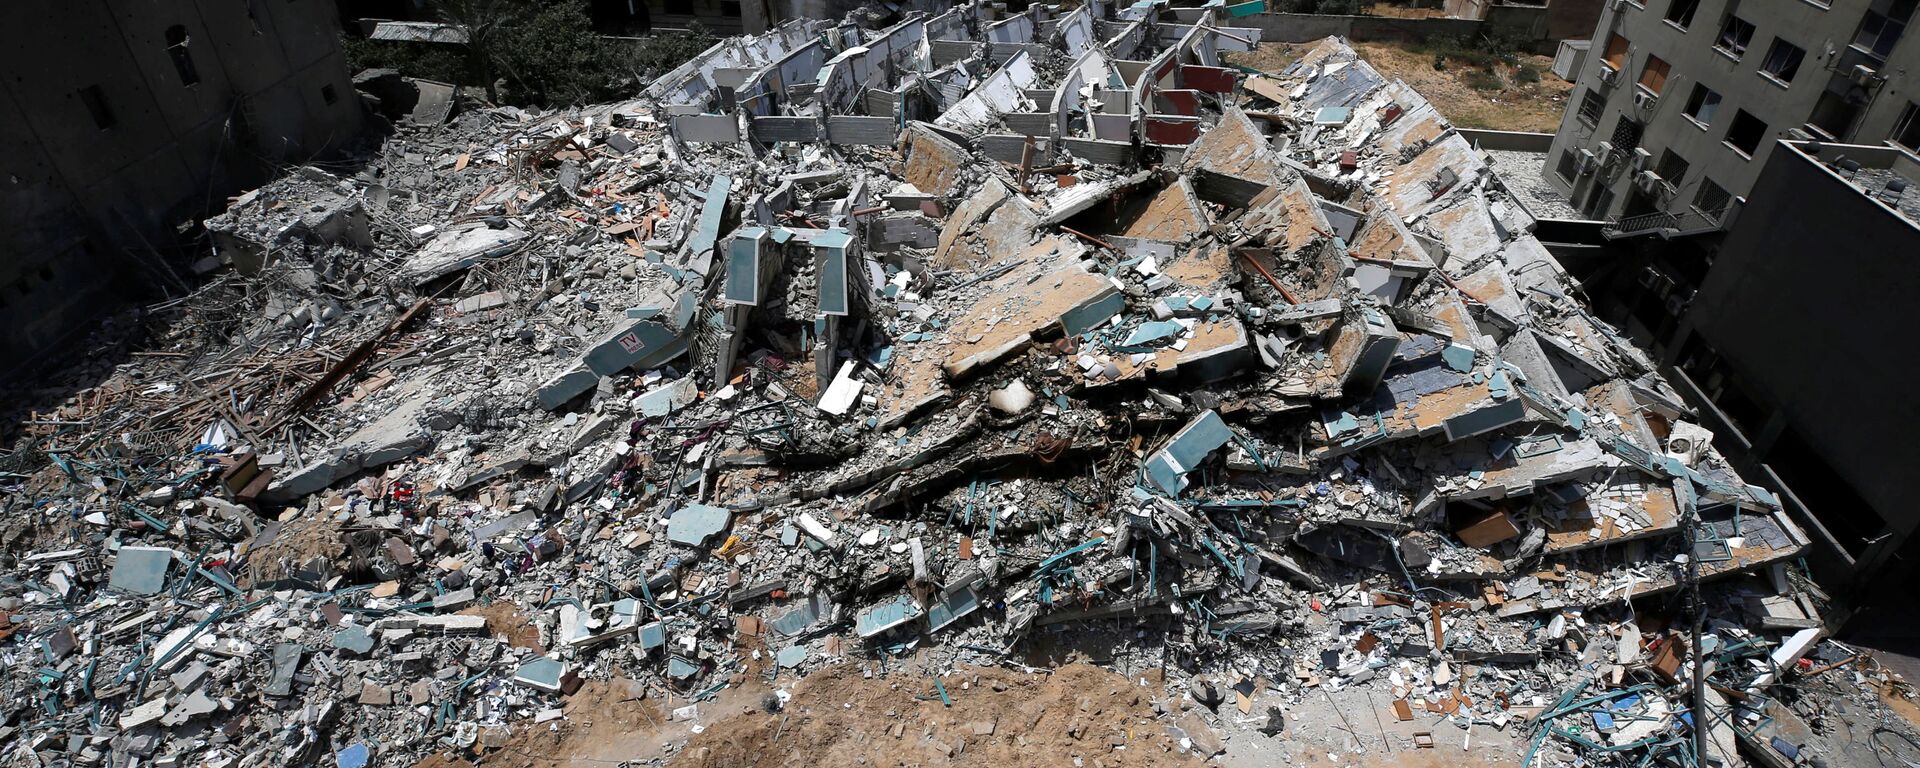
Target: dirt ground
1077, 715
840, 717
1406, 12
504, 619
1468, 95
606, 723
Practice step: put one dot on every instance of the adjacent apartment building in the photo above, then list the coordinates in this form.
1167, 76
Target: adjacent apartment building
1681, 102
1788, 345
121, 120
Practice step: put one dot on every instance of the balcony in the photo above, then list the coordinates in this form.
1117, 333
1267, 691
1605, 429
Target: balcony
1665, 224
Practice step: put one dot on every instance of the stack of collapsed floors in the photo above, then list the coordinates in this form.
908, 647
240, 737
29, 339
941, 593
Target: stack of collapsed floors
849, 344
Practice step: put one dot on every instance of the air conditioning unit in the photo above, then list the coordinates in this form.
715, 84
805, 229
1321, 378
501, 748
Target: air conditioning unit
1605, 151
1587, 161
1863, 75
1640, 158
1686, 441
1650, 183
1608, 75
1643, 100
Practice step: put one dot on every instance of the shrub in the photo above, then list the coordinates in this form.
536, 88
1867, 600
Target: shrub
1482, 80
545, 53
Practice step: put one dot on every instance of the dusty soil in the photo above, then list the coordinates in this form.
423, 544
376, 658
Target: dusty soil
1468, 95
607, 723
1075, 715
1406, 12
839, 717
505, 619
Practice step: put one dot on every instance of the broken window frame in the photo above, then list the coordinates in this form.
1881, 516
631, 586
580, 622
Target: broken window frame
1680, 13
1782, 63
1736, 34
1702, 99
177, 50
1592, 107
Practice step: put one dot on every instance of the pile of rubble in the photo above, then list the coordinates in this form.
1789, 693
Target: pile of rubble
925, 341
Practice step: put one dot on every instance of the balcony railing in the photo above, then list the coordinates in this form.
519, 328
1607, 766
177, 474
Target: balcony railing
1662, 223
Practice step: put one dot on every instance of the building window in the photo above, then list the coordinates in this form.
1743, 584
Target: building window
1711, 200
1746, 132
1735, 34
1672, 167
1833, 115
1906, 131
1616, 52
1882, 26
1783, 61
328, 95
1653, 76
1680, 12
1591, 106
1569, 165
730, 8
96, 102
182, 60
1702, 104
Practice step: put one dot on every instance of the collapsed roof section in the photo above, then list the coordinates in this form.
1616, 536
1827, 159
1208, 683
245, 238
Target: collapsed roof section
1148, 215
1085, 82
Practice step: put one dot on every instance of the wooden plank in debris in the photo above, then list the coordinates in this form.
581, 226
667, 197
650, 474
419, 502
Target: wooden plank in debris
347, 365
1497, 526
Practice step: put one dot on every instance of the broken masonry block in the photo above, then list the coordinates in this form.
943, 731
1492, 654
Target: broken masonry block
1495, 527
354, 640
456, 249
885, 615
141, 570
543, 673
667, 398
654, 334
843, 392
1363, 348
1168, 467
696, 524
698, 255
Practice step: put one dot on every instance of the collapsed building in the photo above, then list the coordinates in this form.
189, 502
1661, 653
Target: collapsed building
848, 343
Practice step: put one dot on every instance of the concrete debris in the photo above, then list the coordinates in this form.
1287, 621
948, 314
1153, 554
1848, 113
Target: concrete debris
1057, 337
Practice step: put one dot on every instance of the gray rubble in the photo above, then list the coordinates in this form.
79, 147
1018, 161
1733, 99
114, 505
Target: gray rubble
1008, 325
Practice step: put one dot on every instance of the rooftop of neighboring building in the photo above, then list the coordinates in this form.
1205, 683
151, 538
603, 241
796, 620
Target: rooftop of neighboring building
1520, 172
1887, 175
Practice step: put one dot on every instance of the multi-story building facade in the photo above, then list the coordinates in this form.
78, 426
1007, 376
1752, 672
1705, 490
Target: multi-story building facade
1681, 102
122, 121
1786, 346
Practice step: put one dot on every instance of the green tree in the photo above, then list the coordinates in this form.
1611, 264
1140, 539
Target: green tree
543, 51
553, 56
485, 22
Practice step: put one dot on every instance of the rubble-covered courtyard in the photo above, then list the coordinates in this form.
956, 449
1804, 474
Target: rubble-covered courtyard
991, 387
